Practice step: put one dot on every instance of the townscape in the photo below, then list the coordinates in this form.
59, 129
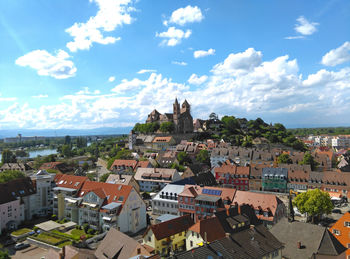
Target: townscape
176, 187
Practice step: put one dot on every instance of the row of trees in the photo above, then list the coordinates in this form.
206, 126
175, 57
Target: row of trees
319, 131
308, 159
154, 127
242, 132
9, 175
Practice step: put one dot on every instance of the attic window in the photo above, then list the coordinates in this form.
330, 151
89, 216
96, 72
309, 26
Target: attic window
121, 198
71, 182
115, 197
82, 192
61, 182
119, 187
347, 224
336, 232
76, 184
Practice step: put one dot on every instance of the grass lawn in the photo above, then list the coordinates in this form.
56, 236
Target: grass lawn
67, 243
78, 232
48, 239
21, 231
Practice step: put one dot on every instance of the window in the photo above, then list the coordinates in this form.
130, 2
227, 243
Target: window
191, 243
336, 232
192, 233
274, 254
149, 239
347, 224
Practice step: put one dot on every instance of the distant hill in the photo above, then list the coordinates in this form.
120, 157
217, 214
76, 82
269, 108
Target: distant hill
8, 133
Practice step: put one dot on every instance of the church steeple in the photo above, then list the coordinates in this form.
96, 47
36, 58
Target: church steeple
176, 107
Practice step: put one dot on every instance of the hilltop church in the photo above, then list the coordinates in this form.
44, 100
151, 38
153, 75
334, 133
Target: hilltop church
181, 118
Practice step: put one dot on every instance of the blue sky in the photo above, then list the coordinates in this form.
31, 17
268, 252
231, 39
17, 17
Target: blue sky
108, 63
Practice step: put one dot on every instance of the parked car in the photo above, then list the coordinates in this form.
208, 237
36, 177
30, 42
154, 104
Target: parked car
338, 211
21, 246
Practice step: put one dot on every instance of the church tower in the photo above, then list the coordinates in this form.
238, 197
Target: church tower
176, 115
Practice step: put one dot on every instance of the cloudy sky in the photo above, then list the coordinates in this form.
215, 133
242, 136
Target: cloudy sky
108, 63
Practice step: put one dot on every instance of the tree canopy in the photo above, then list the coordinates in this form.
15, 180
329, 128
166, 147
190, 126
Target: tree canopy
203, 156
167, 127
9, 175
284, 159
314, 202
8, 157
183, 158
146, 127
309, 160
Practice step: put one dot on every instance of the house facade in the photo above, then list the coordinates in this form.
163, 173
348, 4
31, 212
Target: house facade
166, 201
274, 179
154, 179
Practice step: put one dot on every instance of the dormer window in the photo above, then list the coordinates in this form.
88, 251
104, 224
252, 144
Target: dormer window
347, 224
336, 232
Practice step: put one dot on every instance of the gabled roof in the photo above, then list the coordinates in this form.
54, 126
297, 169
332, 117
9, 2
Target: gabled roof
162, 139
290, 233
124, 162
171, 227
16, 188
258, 200
329, 245
111, 192
210, 228
118, 245
344, 232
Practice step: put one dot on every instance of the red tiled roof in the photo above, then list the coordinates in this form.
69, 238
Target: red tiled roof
126, 163
171, 227
69, 181
210, 227
162, 139
262, 201
49, 165
112, 191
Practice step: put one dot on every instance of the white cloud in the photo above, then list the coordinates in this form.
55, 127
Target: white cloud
239, 62
243, 85
173, 36
7, 99
195, 80
203, 53
294, 37
111, 79
46, 64
305, 27
181, 16
111, 14
40, 96
143, 71
180, 63
337, 56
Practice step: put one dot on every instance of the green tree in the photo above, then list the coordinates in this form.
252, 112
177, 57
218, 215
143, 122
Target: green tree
284, 159
85, 166
183, 158
104, 177
314, 202
203, 156
309, 160
67, 140
8, 157
167, 126
9, 175
4, 255
67, 150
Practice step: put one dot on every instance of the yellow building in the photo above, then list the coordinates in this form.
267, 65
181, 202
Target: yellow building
204, 231
168, 235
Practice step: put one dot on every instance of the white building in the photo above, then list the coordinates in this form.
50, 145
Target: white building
165, 202
341, 142
41, 202
154, 179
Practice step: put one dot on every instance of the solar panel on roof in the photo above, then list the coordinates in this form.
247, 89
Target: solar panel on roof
212, 192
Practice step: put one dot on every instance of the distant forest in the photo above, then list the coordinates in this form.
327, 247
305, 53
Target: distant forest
319, 131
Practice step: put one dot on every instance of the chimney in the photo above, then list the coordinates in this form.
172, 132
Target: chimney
239, 209
299, 244
205, 238
63, 252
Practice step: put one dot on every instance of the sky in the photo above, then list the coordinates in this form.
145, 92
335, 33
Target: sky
83, 64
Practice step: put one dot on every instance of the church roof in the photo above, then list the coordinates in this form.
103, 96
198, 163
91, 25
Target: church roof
185, 103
